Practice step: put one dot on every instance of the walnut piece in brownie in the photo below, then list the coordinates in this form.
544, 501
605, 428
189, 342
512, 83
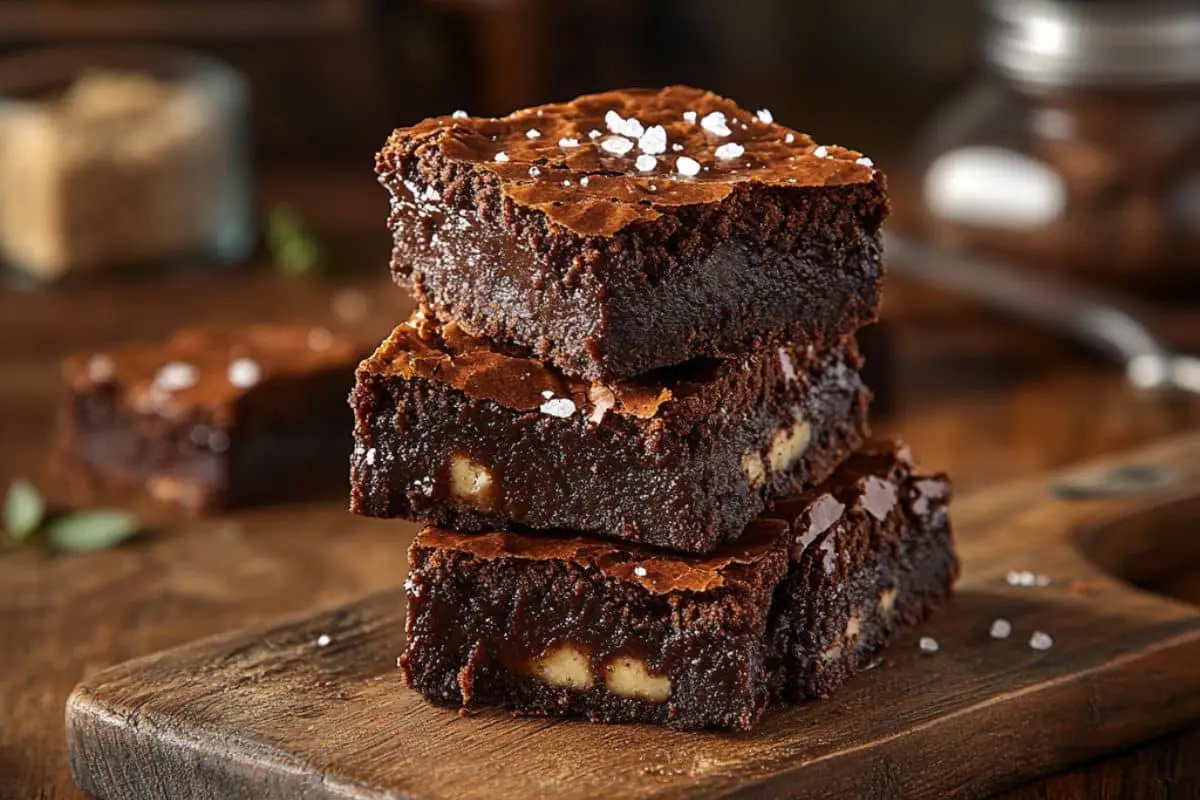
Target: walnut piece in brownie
209, 419
583, 627
448, 428
631, 230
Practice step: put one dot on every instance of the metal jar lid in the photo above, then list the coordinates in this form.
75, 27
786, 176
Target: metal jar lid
1077, 42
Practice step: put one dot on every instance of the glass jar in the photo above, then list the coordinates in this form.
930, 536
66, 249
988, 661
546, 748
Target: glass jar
1080, 151
116, 158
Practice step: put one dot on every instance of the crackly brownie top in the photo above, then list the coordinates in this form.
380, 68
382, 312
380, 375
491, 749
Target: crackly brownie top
653, 569
878, 481
207, 368
603, 161
422, 347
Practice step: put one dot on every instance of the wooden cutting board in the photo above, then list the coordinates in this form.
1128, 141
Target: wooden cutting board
269, 712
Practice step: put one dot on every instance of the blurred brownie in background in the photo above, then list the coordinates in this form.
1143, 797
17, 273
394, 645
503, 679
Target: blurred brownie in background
211, 419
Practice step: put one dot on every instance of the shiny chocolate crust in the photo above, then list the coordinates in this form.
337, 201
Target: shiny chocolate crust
450, 429
536, 230
656, 571
551, 625
209, 418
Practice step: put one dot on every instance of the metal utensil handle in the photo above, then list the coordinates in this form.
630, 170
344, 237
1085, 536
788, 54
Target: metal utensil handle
1042, 301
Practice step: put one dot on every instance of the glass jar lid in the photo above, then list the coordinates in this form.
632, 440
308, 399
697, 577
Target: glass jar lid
1082, 42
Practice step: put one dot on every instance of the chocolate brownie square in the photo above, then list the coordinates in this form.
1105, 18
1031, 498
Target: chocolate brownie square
574, 626
452, 429
209, 419
631, 230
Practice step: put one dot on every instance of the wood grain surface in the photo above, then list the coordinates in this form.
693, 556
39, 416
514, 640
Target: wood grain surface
973, 394
269, 712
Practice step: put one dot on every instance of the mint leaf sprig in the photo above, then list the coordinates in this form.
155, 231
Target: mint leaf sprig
84, 531
24, 510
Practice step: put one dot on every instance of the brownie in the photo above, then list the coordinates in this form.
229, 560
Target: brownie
451, 429
631, 230
620, 633
209, 419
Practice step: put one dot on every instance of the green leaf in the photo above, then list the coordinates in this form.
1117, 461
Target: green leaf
88, 531
293, 248
282, 223
24, 509
299, 256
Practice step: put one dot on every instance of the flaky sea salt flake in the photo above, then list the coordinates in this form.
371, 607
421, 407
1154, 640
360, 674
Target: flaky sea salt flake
175, 376
459, 114
864, 162
1041, 641
617, 145
730, 150
765, 116
640, 571
244, 372
689, 117
791, 137
1001, 629
568, 142
501, 157
928, 644
621, 126
687, 166
821, 151
645, 163
1021, 577
561, 407
323, 640
653, 141
714, 122
533, 133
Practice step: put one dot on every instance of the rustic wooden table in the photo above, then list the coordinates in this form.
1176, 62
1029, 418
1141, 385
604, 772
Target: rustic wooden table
973, 394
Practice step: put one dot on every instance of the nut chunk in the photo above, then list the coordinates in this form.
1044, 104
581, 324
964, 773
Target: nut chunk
210, 419
453, 430
632, 230
624, 633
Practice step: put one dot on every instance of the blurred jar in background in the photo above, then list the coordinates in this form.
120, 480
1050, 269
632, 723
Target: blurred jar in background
1080, 151
120, 158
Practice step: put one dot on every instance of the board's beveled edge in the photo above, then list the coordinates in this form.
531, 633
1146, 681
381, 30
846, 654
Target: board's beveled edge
86, 711
139, 774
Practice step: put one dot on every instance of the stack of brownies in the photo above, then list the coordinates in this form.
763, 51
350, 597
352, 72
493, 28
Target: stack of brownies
630, 408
